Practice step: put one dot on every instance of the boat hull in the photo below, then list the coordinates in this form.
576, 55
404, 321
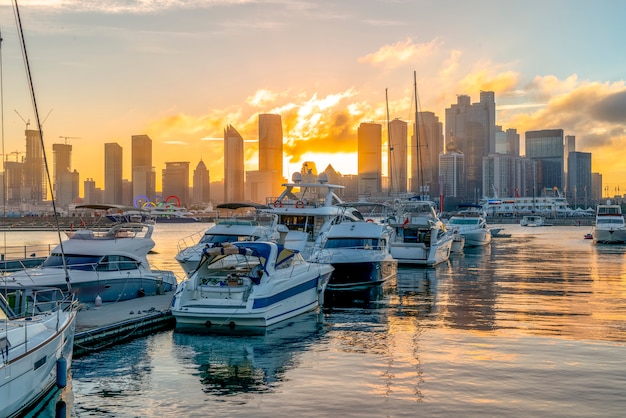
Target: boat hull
350, 275
421, 254
477, 238
609, 235
214, 309
33, 374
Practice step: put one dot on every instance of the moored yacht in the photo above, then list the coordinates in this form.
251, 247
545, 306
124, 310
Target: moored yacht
609, 227
308, 210
103, 265
249, 284
359, 253
421, 238
472, 224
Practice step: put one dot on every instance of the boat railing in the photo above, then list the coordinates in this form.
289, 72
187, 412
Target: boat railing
19, 252
26, 303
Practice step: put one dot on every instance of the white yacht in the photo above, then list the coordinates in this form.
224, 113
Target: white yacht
308, 210
420, 236
102, 266
235, 222
249, 285
359, 252
472, 224
609, 227
36, 351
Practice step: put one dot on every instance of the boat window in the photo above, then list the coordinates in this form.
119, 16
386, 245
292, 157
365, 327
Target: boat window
117, 262
463, 221
368, 243
298, 223
73, 261
214, 239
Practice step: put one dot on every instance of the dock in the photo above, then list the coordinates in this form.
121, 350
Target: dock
100, 327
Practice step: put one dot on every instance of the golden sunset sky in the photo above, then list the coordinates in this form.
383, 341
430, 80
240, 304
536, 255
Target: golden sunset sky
180, 71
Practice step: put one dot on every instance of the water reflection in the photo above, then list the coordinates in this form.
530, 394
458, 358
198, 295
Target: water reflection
233, 363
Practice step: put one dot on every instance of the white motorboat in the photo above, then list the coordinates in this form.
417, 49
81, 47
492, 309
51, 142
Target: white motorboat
420, 236
103, 265
36, 351
609, 227
169, 213
235, 222
308, 210
532, 220
378, 212
359, 253
472, 224
249, 284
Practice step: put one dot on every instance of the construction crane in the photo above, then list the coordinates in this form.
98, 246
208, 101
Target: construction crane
16, 153
69, 137
27, 122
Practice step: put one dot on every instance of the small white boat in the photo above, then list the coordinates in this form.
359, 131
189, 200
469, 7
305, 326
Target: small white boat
532, 220
421, 238
359, 253
471, 222
169, 213
610, 227
36, 351
107, 265
249, 284
235, 222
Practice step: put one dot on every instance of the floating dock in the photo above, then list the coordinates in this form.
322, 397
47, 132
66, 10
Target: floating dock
100, 327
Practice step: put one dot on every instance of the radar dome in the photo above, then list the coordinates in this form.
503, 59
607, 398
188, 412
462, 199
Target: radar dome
296, 177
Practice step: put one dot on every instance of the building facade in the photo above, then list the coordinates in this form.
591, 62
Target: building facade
369, 139
113, 180
234, 187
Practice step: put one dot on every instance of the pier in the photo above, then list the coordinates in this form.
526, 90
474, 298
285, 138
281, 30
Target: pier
100, 327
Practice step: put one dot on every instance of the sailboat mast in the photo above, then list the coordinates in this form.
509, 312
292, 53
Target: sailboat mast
389, 145
417, 138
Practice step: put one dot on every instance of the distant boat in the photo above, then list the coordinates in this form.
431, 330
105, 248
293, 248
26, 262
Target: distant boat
472, 224
532, 220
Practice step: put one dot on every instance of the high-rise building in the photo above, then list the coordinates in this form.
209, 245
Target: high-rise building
569, 145
113, 189
143, 175
506, 175
425, 151
175, 180
34, 169
512, 139
61, 178
271, 152
234, 187
452, 173
474, 131
398, 156
596, 187
546, 147
201, 184
579, 181
369, 138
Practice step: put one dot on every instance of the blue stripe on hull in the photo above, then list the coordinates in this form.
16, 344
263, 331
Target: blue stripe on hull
270, 300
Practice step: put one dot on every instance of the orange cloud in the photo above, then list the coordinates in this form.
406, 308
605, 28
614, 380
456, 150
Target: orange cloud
400, 53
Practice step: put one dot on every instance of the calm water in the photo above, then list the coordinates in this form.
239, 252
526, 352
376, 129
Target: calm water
534, 325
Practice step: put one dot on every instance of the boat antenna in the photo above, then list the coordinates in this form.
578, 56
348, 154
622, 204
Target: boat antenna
31, 88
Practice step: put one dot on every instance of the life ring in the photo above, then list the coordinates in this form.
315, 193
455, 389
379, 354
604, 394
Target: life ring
299, 204
82, 223
370, 220
71, 226
278, 204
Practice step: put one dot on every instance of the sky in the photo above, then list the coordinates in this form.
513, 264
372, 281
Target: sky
181, 71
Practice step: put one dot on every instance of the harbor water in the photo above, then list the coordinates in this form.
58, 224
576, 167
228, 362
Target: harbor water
532, 325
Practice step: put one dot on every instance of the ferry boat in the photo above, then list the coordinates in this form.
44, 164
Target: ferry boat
520, 206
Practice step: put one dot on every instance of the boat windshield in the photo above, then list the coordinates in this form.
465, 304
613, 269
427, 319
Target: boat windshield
366, 243
215, 239
464, 221
73, 261
614, 220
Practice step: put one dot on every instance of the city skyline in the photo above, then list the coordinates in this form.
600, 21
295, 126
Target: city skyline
104, 73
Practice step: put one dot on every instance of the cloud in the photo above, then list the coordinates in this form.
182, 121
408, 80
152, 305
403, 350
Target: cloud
400, 53
612, 108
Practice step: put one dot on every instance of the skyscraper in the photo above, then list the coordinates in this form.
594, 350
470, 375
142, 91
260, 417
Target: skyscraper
398, 157
201, 184
271, 151
34, 169
234, 187
425, 155
113, 181
369, 138
473, 128
546, 147
143, 175
61, 179
175, 180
